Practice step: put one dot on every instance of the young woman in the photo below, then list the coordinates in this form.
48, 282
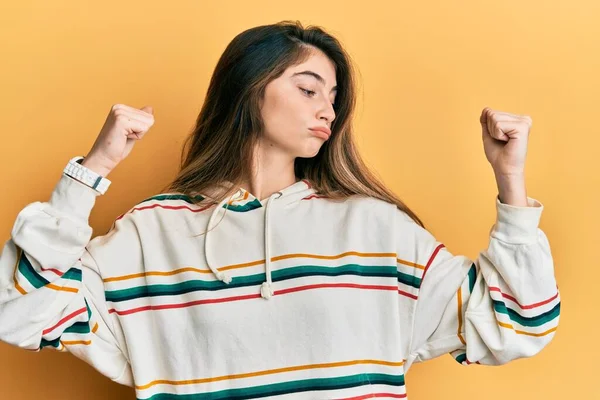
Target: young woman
275, 265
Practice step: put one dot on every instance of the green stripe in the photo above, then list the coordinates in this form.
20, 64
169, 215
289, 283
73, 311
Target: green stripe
27, 270
461, 358
36, 280
538, 320
50, 343
79, 327
278, 389
89, 310
409, 280
472, 277
251, 205
73, 274
186, 198
249, 280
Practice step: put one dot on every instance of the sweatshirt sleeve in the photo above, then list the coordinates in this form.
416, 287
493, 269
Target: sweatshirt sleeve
502, 306
51, 290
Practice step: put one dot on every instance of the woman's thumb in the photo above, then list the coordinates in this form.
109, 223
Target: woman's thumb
148, 109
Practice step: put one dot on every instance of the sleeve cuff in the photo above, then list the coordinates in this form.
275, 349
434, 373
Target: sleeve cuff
517, 225
73, 197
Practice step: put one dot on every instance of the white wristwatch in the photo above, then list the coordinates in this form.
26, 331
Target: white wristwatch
86, 176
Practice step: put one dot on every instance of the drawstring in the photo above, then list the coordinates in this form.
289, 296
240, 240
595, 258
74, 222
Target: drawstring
266, 289
222, 276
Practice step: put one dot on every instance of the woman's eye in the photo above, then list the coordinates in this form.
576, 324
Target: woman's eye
308, 92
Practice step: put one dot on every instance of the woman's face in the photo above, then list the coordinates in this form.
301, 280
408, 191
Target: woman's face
296, 103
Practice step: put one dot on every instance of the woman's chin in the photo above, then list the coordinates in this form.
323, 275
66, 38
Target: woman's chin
312, 149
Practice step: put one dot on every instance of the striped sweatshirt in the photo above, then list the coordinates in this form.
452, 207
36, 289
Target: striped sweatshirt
292, 297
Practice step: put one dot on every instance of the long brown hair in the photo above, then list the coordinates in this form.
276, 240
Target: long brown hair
220, 149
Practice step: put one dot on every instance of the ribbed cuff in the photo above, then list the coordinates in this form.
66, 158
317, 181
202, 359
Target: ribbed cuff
73, 197
517, 225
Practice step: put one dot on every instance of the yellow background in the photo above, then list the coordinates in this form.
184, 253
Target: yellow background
427, 70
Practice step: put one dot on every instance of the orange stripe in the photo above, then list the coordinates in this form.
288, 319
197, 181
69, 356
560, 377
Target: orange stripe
509, 326
268, 372
158, 273
460, 318
83, 342
95, 328
258, 262
61, 288
19, 288
239, 198
410, 264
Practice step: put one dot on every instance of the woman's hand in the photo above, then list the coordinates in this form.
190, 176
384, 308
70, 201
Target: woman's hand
505, 137
123, 127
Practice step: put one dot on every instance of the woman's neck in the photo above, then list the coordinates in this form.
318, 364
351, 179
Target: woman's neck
273, 170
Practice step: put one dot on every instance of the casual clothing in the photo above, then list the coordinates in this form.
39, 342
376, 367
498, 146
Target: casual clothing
293, 297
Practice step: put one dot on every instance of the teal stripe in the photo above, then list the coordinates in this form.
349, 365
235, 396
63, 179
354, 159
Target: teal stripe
251, 205
89, 310
278, 389
27, 270
409, 280
73, 274
81, 327
461, 358
36, 280
183, 197
538, 320
472, 276
50, 343
249, 280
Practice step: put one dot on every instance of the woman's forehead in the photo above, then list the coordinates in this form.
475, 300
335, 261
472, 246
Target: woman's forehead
317, 64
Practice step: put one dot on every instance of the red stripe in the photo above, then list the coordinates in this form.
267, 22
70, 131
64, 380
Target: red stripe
165, 207
65, 319
307, 183
523, 307
313, 196
435, 253
57, 272
248, 297
183, 305
372, 395
406, 294
335, 285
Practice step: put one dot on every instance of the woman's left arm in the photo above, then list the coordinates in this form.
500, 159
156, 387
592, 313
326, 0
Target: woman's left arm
505, 304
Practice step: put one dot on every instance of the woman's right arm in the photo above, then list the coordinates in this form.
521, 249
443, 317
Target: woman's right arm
51, 290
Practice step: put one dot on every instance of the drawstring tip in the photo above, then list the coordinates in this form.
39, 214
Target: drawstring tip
225, 278
266, 291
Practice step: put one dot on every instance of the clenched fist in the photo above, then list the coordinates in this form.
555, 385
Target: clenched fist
505, 137
123, 127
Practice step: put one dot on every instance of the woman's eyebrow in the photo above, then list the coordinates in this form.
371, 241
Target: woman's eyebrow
316, 76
